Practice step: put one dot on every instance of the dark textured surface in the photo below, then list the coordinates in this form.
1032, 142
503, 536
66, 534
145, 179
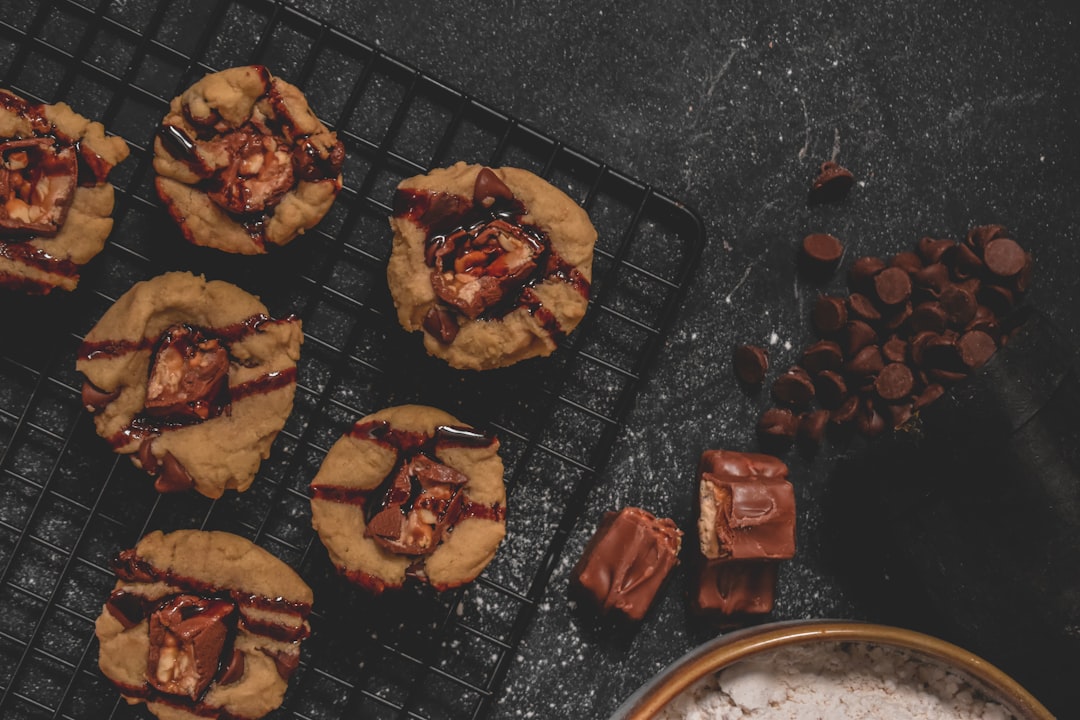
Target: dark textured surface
948, 117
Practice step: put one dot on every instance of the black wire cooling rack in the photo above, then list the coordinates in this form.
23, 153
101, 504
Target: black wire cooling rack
67, 504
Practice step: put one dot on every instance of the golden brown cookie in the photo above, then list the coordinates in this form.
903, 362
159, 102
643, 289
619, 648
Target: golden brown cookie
55, 199
493, 265
410, 491
243, 163
202, 624
193, 379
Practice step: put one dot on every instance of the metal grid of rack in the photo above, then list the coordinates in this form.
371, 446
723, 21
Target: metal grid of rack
67, 504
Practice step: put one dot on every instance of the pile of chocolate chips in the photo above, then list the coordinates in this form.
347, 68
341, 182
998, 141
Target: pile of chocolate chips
909, 328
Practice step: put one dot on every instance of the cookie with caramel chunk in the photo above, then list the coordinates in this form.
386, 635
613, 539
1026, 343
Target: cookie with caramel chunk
202, 624
55, 198
243, 163
410, 491
493, 265
191, 378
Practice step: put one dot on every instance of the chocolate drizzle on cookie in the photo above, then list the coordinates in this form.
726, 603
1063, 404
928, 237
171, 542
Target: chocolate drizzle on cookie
39, 174
421, 499
485, 257
193, 630
188, 382
266, 157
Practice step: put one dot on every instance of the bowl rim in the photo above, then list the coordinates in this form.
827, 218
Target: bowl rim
720, 652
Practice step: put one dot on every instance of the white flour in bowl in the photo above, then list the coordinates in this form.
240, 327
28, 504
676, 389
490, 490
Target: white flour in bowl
834, 681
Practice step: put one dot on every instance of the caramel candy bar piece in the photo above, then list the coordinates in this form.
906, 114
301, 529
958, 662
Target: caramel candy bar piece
187, 635
746, 508
188, 376
735, 587
627, 560
423, 500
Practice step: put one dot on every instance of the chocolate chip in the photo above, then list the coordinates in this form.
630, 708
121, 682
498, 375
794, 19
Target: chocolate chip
1004, 257
822, 355
976, 347
959, 305
895, 350
892, 286
1022, 281
778, 424
941, 353
235, 669
831, 185
985, 320
899, 413
997, 298
978, 237
489, 187
846, 412
934, 277
907, 261
862, 272
822, 251
862, 308
927, 317
831, 390
929, 394
793, 388
829, 315
896, 317
174, 476
866, 362
441, 324
894, 382
812, 426
869, 421
933, 251
285, 662
965, 262
858, 335
750, 363
94, 399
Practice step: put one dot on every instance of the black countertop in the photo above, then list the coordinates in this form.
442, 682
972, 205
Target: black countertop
949, 114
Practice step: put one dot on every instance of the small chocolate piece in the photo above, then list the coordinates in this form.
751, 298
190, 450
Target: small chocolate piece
188, 376
831, 389
862, 308
976, 347
1004, 257
829, 315
187, 635
858, 336
284, 662
128, 608
234, 670
927, 317
746, 507
750, 363
489, 187
174, 477
423, 500
441, 324
899, 413
627, 560
892, 286
959, 305
929, 394
933, 278
895, 350
822, 355
831, 185
997, 298
821, 252
862, 272
894, 382
778, 424
965, 263
979, 236
986, 321
866, 362
869, 421
812, 426
896, 317
907, 261
846, 412
793, 388
935, 251
730, 588
941, 353
94, 399
37, 185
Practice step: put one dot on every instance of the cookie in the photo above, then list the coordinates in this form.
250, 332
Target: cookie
55, 199
493, 265
410, 491
243, 164
202, 624
193, 379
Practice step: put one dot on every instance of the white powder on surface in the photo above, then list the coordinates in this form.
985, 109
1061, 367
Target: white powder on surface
834, 681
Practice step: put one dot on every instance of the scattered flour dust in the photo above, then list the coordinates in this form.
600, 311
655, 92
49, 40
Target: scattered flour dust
834, 681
